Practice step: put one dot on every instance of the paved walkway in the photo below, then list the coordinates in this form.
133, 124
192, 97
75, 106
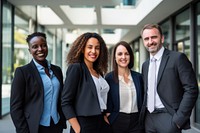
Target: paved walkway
7, 126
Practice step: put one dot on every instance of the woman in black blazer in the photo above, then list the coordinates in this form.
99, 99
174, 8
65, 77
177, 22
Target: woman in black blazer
125, 96
85, 90
36, 92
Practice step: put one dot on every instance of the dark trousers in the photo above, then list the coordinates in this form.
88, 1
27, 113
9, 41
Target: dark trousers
53, 128
92, 124
160, 122
127, 123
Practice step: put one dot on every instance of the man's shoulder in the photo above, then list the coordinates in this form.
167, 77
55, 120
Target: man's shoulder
145, 63
173, 53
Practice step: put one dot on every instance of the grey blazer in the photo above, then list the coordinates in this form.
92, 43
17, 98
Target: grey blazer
27, 94
176, 86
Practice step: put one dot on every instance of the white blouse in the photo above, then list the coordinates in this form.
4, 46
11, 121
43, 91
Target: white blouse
128, 95
102, 91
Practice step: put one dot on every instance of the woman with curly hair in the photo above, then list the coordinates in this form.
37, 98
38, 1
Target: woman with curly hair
84, 96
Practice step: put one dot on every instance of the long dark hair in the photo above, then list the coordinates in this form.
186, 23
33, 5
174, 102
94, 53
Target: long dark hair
131, 63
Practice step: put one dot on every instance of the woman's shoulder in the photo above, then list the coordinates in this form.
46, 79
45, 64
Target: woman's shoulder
109, 74
135, 73
76, 67
24, 67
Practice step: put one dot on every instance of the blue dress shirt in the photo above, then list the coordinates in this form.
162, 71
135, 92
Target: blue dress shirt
51, 92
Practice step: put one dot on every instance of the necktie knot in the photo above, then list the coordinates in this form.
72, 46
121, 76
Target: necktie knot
153, 59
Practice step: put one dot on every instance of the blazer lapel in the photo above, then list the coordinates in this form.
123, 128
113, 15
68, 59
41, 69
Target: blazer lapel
36, 74
56, 73
145, 69
89, 79
163, 63
136, 82
145, 73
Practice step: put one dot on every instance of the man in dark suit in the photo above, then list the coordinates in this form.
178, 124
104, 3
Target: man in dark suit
36, 92
175, 90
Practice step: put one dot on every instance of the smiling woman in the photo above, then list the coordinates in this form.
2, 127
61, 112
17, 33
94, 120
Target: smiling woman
84, 96
36, 90
125, 96
38, 47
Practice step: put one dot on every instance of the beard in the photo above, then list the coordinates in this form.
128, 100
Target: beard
156, 47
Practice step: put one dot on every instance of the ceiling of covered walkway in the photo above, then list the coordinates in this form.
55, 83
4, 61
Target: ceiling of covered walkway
113, 19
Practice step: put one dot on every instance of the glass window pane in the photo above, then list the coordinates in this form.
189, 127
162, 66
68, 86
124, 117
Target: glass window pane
21, 53
183, 32
51, 43
58, 52
166, 32
182, 25
197, 111
6, 59
136, 55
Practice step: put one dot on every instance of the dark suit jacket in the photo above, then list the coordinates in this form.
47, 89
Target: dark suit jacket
79, 97
176, 86
113, 103
27, 94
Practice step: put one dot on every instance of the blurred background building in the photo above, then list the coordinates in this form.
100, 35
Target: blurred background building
114, 20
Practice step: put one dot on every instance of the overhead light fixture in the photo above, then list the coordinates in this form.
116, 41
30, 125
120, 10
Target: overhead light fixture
46, 16
129, 2
82, 15
128, 15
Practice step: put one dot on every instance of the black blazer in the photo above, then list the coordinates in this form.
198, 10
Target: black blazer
113, 103
79, 97
176, 86
27, 94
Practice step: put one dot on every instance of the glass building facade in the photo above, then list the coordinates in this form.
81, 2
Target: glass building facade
181, 31
16, 25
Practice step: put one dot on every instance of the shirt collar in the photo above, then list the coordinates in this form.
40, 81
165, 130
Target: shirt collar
40, 66
159, 54
121, 78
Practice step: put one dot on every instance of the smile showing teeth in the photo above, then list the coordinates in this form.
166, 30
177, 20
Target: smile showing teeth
123, 61
92, 56
40, 54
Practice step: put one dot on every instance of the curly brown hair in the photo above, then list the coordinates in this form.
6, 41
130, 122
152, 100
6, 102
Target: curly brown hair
75, 54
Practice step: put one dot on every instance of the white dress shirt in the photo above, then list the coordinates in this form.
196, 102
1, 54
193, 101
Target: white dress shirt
128, 95
102, 88
158, 57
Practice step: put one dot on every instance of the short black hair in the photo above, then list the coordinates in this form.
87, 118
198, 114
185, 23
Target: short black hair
29, 37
